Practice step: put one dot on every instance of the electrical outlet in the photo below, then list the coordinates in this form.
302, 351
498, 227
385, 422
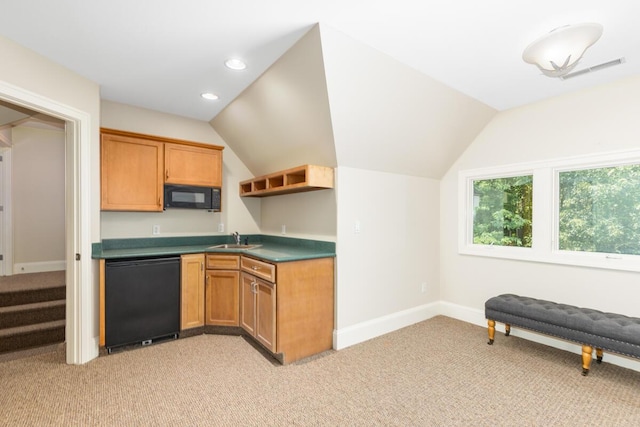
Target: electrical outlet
423, 287
156, 230
356, 227
221, 227
284, 229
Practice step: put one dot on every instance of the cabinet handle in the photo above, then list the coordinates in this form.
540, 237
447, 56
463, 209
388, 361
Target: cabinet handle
254, 286
166, 174
255, 267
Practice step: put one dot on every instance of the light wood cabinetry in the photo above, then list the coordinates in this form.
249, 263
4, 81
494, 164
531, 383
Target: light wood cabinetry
134, 168
294, 180
131, 173
190, 165
258, 310
222, 290
288, 307
192, 291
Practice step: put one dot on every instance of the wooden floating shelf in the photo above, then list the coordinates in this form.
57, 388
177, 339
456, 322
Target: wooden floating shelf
295, 180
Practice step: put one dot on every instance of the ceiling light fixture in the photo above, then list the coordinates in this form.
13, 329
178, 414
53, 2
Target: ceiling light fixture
235, 64
558, 52
210, 96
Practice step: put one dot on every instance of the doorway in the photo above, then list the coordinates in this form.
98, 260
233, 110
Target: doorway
32, 196
81, 342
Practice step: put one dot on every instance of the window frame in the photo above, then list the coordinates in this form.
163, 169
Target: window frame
545, 205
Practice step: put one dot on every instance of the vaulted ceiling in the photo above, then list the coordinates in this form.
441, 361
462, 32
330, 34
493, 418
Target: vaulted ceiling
163, 54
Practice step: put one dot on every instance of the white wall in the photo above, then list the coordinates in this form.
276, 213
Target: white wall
242, 215
596, 120
310, 215
31, 72
381, 269
389, 117
38, 199
282, 119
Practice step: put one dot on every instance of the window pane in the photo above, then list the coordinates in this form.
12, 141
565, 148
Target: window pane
502, 209
600, 210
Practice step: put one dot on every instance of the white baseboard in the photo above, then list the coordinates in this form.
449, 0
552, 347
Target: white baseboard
364, 331
346, 337
39, 267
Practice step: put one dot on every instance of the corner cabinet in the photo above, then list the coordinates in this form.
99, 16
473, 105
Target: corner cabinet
288, 307
294, 180
134, 168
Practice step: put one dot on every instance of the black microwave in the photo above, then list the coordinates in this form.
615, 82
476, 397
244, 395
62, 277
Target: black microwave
191, 197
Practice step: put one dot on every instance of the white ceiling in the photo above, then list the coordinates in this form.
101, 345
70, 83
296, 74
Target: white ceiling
162, 54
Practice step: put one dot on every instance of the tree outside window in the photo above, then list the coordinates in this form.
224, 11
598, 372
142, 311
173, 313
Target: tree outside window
502, 213
599, 210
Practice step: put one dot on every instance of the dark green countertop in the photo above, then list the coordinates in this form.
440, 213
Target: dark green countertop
272, 248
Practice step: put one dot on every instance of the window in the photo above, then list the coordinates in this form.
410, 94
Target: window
502, 209
599, 210
578, 211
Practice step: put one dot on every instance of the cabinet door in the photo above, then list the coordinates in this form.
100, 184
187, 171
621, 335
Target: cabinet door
131, 174
192, 284
266, 314
189, 165
247, 303
222, 297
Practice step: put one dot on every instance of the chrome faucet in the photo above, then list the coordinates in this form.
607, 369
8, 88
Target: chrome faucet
236, 237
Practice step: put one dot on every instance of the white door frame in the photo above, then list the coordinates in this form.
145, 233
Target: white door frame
81, 342
6, 241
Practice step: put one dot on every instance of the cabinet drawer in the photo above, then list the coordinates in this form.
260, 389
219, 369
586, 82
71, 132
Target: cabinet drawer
223, 262
258, 268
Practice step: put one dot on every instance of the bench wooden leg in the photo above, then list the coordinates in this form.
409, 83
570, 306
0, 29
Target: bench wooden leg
586, 358
507, 329
492, 330
599, 355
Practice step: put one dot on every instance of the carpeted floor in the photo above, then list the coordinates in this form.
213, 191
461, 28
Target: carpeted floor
439, 372
19, 282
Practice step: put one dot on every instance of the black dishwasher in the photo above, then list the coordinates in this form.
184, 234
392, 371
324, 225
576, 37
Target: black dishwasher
142, 300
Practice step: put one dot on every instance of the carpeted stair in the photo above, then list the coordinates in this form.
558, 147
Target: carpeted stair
31, 318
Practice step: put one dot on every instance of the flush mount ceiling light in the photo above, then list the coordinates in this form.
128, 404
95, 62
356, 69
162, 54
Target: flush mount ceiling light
210, 96
558, 52
235, 64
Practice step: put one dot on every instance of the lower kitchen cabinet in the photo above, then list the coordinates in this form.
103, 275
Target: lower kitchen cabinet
258, 310
222, 290
192, 291
288, 307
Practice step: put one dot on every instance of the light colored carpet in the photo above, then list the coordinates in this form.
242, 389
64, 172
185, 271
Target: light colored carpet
439, 372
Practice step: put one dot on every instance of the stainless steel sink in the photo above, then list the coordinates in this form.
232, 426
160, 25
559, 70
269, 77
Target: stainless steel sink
233, 246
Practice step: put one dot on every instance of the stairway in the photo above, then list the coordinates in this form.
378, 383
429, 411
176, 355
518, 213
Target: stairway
31, 318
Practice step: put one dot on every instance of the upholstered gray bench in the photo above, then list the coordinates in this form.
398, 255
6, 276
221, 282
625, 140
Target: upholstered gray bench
591, 328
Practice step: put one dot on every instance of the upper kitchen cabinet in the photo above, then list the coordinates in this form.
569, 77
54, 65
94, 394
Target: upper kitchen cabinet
192, 165
135, 167
131, 170
294, 180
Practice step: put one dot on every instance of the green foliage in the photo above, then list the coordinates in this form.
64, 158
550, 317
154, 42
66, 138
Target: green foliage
600, 210
503, 211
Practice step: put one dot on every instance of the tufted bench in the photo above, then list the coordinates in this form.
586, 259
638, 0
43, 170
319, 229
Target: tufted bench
591, 328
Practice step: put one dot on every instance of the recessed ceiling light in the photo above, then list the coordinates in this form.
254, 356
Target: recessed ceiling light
210, 96
235, 64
